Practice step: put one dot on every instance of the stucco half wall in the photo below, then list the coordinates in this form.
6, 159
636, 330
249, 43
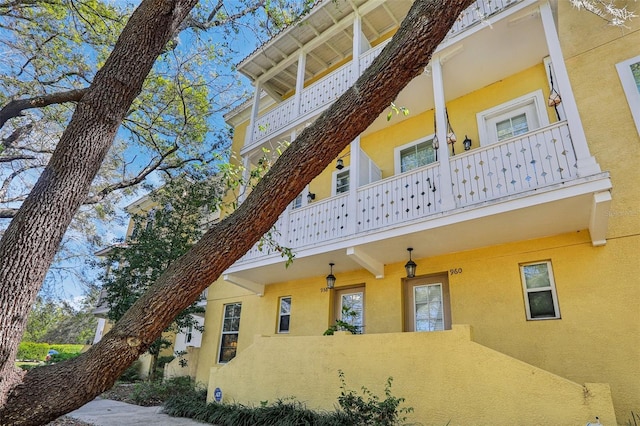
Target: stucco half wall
444, 376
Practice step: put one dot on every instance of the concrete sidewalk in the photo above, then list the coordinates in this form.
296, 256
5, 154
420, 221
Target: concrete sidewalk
105, 412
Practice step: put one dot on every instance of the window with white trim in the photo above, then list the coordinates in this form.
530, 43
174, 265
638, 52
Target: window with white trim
414, 155
540, 298
230, 331
511, 119
297, 202
629, 72
340, 181
284, 314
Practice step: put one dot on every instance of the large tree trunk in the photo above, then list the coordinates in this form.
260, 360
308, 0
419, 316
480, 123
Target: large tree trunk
32, 238
49, 392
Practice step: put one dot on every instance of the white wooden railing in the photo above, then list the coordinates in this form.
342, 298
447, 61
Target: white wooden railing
323, 92
540, 158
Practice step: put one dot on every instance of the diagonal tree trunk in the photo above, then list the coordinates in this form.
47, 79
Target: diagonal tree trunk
48, 392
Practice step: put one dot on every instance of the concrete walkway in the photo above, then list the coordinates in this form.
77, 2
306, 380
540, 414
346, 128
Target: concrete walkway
105, 412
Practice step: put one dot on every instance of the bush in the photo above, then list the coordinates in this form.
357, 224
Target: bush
367, 409
62, 357
131, 374
67, 349
32, 351
156, 393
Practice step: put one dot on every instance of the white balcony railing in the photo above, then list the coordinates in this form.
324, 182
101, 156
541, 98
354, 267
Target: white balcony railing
541, 158
323, 92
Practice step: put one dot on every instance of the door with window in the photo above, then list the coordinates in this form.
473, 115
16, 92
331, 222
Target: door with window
349, 307
427, 304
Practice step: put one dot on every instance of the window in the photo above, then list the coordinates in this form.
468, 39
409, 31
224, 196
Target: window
284, 315
230, 328
350, 307
427, 305
629, 72
516, 117
297, 202
414, 155
341, 181
540, 297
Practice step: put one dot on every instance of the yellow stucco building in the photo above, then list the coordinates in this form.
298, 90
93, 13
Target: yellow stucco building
523, 308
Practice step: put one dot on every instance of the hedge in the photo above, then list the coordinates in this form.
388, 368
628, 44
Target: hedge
32, 351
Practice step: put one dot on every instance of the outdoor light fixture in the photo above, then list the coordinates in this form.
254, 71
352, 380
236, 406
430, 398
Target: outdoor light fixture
331, 279
311, 196
410, 266
340, 164
466, 143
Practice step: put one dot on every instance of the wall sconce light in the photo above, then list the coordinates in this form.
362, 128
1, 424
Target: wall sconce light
340, 164
331, 279
311, 196
410, 266
466, 143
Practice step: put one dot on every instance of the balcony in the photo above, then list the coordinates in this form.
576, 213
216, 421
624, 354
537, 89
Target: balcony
279, 79
521, 188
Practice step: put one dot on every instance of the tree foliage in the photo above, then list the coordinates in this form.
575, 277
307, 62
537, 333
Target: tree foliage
161, 235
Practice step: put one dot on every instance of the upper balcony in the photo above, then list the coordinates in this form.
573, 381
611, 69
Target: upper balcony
302, 85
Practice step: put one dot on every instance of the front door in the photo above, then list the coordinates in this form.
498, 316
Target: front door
350, 307
427, 304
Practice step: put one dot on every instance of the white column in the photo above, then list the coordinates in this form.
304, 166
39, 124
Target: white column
446, 192
354, 183
587, 164
357, 42
248, 138
302, 61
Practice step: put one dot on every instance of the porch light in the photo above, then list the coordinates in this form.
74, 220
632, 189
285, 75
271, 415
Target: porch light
466, 143
331, 279
410, 266
340, 164
311, 196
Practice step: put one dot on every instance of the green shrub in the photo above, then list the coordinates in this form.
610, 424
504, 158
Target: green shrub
131, 374
32, 351
365, 409
157, 392
67, 349
62, 357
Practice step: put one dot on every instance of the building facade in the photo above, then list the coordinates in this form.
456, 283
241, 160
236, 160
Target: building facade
511, 179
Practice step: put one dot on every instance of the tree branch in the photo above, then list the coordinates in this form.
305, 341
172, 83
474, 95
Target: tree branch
14, 108
17, 134
7, 213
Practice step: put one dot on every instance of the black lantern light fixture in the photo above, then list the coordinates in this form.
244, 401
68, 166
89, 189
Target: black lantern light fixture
331, 279
410, 266
340, 164
311, 196
466, 143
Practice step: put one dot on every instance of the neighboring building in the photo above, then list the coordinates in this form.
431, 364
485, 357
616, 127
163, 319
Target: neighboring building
524, 307
186, 342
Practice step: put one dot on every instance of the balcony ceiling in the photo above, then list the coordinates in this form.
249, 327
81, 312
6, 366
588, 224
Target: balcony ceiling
327, 33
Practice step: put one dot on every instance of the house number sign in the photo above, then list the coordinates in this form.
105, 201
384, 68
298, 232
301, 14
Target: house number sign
455, 271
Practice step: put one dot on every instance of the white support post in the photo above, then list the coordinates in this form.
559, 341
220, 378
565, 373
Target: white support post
357, 43
354, 183
302, 63
248, 139
587, 164
446, 185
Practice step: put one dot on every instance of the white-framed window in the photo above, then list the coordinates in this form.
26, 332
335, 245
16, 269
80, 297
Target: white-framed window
511, 119
350, 307
540, 298
414, 154
230, 332
297, 202
340, 181
284, 314
629, 72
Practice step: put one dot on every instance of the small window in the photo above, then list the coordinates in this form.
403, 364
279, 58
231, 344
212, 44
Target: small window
230, 329
414, 155
629, 72
341, 181
541, 301
284, 315
511, 119
297, 202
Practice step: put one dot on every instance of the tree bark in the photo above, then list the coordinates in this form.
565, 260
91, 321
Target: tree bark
48, 392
